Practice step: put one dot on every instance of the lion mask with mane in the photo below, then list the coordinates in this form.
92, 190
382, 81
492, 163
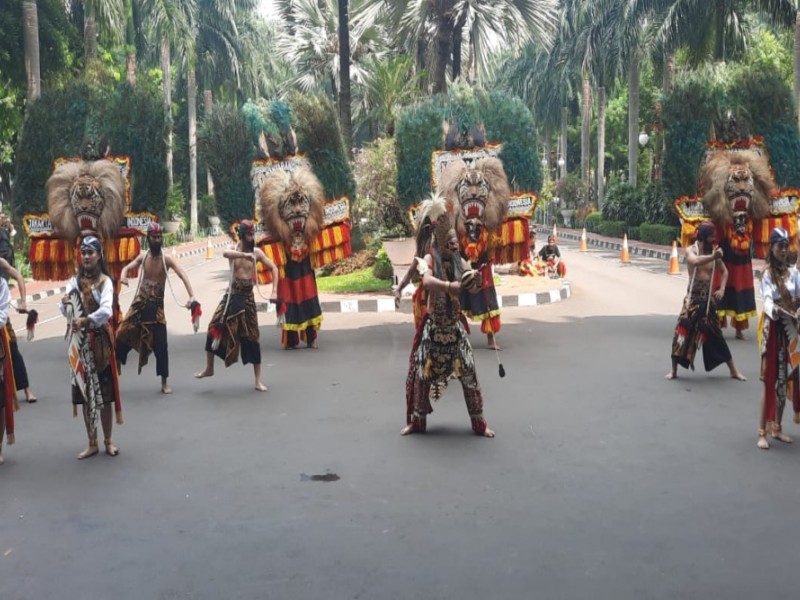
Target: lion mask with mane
292, 205
86, 197
736, 186
479, 194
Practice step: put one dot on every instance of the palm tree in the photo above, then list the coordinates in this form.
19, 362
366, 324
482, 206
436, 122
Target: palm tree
310, 43
708, 30
107, 16
30, 18
345, 107
169, 24
595, 31
389, 85
489, 27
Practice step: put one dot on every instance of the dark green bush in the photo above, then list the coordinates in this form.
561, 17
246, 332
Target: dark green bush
656, 233
60, 120
657, 207
623, 203
592, 222
613, 228
633, 232
319, 137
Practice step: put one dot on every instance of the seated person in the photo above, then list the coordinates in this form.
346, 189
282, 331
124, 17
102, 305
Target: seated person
551, 257
527, 266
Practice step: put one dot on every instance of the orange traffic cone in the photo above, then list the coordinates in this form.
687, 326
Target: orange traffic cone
624, 257
583, 240
209, 249
555, 232
674, 266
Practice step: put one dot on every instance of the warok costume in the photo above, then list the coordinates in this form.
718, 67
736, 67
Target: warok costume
441, 347
233, 329
479, 196
144, 328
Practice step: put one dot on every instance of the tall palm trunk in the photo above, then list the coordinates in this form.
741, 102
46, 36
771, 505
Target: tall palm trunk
208, 102
345, 117
586, 121
30, 19
130, 44
166, 84
444, 35
797, 66
458, 33
563, 142
601, 146
669, 73
191, 84
89, 32
633, 118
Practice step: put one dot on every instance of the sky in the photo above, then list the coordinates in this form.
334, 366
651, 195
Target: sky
265, 7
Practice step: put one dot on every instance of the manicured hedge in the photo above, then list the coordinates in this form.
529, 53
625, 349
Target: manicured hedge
663, 235
613, 228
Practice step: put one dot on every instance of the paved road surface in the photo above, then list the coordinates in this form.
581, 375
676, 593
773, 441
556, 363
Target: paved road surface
605, 480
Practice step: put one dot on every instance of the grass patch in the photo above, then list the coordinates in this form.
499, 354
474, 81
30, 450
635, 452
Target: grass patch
359, 281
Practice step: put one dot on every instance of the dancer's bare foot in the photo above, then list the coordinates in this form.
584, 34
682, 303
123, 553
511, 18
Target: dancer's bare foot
493, 346
488, 433
30, 397
737, 374
165, 389
2, 460
111, 449
204, 373
408, 429
762, 442
740, 336
90, 451
260, 387
313, 345
671, 375
781, 437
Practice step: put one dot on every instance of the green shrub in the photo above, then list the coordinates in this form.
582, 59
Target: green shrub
623, 203
382, 269
613, 228
656, 233
58, 123
592, 222
658, 207
633, 232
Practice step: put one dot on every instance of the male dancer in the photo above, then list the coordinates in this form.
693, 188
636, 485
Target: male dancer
698, 323
235, 322
93, 289
443, 347
20, 372
144, 328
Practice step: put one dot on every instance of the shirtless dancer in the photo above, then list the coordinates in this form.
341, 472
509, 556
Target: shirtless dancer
235, 322
20, 372
698, 323
144, 328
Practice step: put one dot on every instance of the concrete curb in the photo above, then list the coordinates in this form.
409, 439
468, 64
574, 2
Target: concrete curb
356, 305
